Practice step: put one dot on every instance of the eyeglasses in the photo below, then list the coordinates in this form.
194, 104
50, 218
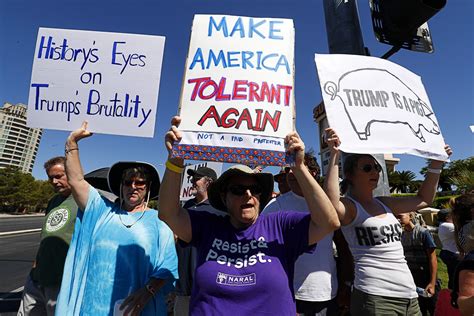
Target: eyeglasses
137, 183
368, 168
240, 190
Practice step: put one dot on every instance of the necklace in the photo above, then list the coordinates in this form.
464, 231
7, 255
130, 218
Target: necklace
130, 225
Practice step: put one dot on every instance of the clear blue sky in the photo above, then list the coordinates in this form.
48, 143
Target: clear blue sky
447, 73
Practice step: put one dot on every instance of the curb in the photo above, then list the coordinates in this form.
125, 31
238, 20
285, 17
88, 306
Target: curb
20, 232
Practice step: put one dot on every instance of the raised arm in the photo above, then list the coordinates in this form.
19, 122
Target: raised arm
425, 194
331, 182
323, 216
169, 208
75, 175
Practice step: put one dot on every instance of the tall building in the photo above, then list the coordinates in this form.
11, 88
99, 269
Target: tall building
18, 143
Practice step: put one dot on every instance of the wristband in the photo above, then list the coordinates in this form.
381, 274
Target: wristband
436, 171
172, 167
68, 150
150, 289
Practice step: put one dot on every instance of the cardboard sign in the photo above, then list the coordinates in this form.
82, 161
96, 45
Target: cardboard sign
109, 79
187, 185
237, 100
377, 106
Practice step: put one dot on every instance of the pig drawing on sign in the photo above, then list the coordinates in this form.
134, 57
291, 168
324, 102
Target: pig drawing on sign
366, 104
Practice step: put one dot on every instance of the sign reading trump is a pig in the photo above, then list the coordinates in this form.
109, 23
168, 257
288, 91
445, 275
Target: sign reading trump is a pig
237, 99
377, 106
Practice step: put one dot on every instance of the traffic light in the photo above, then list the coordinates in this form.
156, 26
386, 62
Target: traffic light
402, 23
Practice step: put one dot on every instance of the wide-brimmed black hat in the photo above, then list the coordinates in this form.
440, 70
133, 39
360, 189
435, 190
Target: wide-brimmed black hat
264, 179
203, 172
114, 177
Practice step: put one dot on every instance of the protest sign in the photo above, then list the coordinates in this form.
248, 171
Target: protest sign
109, 79
237, 99
377, 106
187, 185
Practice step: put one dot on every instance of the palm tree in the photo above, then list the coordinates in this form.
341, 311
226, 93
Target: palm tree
402, 181
464, 180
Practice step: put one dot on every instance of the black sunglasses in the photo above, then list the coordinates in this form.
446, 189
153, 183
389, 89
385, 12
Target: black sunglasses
240, 190
368, 168
138, 183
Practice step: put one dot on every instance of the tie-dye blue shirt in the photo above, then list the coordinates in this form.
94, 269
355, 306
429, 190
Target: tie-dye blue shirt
108, 261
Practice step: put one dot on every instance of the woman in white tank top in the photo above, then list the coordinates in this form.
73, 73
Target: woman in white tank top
383, 283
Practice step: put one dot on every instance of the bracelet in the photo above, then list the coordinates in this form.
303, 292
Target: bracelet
150, 289
68, 150
172, 167
432, 170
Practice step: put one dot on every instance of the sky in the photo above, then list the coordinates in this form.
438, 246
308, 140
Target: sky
447, 73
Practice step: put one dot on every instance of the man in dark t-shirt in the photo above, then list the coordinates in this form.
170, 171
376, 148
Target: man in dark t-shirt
43, 282
419, 248
201, 178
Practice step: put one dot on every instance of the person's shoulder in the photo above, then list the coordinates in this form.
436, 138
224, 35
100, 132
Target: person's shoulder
285, 216
207, 215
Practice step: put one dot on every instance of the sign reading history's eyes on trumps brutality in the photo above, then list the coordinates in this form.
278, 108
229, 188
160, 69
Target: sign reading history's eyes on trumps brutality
377, 106
109, 79
237, 100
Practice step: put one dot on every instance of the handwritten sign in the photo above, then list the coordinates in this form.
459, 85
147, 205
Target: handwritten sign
186, 186
109, 79
377, 106
237, 100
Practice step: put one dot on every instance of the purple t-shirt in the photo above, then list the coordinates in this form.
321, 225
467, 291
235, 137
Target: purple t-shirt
247, 271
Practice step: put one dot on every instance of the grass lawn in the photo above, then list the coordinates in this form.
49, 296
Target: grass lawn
442, 271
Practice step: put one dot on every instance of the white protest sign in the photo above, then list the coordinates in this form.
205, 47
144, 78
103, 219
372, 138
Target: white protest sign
109, 79
237, 100
377, 106
187, 185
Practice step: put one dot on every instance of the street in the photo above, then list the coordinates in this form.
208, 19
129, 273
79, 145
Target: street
15, 223
17, 252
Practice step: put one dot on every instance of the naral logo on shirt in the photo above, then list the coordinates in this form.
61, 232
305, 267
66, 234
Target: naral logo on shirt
236, 280
57, 219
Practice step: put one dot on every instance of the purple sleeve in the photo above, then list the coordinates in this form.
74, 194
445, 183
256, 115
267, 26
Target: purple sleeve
201, 222
295, 228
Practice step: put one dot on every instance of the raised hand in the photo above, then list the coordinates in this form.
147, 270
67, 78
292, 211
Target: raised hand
173, 135
332, 139
294, 144
79, 133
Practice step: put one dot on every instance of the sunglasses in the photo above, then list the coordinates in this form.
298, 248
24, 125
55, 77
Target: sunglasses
240, 190
368, 168
138, 183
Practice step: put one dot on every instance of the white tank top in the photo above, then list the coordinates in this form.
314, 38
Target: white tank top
380, 265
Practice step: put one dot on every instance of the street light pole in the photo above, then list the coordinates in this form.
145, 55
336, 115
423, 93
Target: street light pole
345, 37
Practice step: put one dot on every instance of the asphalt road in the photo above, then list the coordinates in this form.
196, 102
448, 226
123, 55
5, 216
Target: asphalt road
15, 223
18, 251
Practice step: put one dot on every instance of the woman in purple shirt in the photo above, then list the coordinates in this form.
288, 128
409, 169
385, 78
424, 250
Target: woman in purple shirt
245, 262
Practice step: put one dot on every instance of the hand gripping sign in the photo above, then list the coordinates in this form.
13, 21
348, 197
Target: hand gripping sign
237, 99
109, 79
377, 106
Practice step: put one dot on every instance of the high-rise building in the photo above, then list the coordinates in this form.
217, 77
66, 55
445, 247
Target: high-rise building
18, 142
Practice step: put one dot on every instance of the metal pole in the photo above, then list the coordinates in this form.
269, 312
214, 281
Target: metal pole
345, 37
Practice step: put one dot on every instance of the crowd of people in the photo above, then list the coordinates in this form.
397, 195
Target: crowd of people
236, 249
